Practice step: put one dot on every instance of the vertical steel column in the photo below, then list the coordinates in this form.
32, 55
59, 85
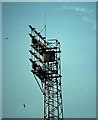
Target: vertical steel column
53, 94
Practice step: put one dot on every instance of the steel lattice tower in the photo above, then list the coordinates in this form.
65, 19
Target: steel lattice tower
46, 68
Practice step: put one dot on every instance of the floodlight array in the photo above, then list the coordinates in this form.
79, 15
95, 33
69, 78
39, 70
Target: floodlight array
45, 59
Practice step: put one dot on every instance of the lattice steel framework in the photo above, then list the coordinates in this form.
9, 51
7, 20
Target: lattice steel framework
46, 68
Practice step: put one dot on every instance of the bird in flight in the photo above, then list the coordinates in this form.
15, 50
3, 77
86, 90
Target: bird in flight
24, 105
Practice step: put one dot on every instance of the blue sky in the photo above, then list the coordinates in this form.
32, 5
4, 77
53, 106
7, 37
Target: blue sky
0, 61
74, 25
50, 1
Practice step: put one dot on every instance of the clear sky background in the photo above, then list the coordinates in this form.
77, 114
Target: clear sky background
50, 0
0, 59
74, 25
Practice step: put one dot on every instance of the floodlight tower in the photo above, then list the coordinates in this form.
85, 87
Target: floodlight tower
46, 68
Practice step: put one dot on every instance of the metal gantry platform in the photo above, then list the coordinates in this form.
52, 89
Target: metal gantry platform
46, 68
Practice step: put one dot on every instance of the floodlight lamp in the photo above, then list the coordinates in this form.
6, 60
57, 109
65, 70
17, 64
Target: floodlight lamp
31, 28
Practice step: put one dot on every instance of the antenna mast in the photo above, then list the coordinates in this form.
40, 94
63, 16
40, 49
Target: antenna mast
45, 26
